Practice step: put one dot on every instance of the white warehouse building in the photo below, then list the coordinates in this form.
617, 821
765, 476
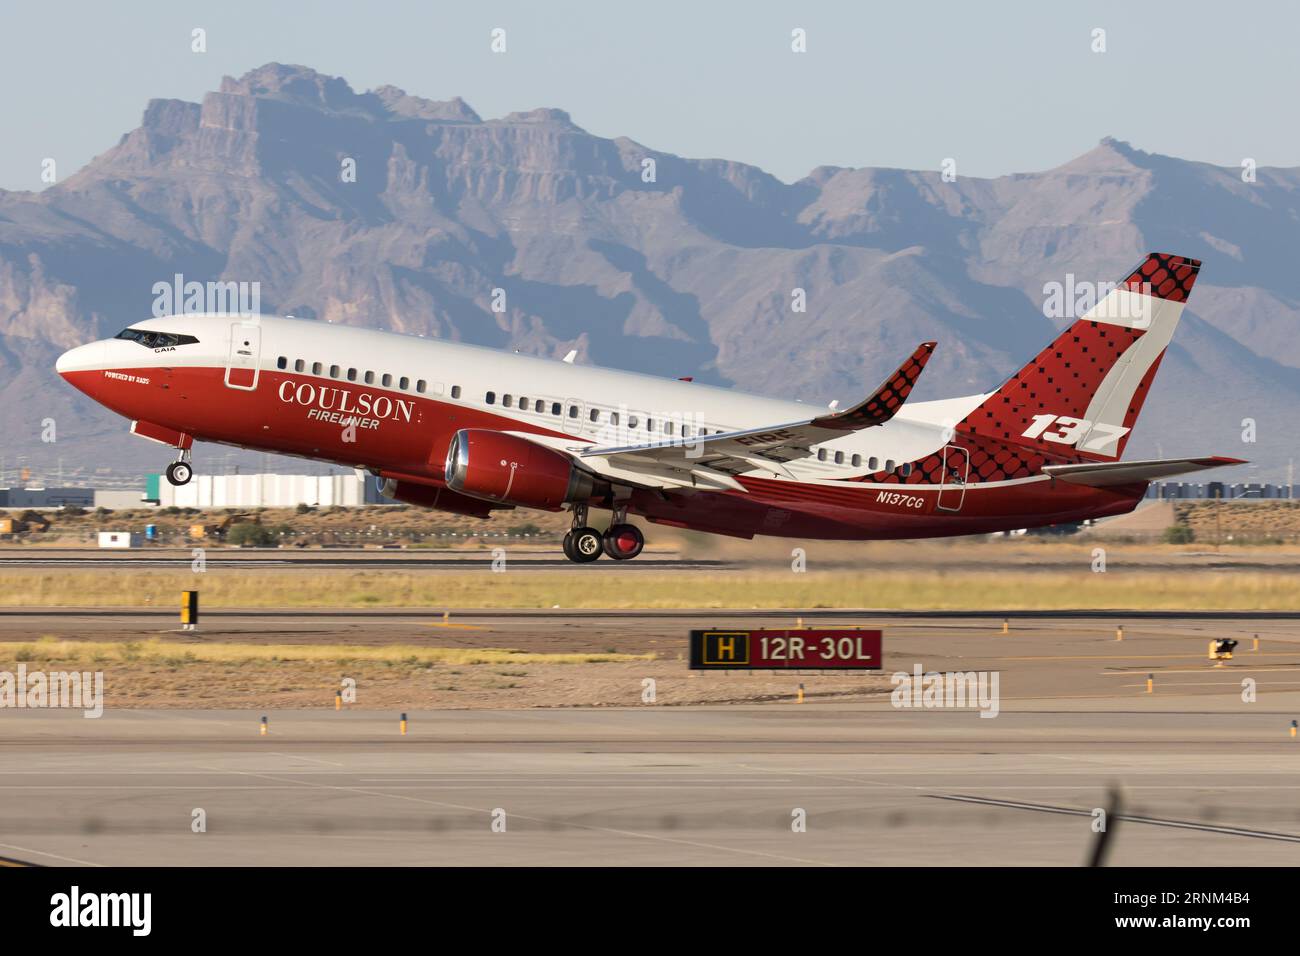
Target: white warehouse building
265, 491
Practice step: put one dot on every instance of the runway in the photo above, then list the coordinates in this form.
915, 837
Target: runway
581, 777
328, 559
1204, 783
236, 616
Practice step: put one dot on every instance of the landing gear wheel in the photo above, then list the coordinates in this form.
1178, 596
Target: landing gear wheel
568, 546
180, 473
586, 545
623, 541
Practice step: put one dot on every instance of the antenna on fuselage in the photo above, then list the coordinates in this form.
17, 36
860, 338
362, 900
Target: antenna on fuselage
568, 359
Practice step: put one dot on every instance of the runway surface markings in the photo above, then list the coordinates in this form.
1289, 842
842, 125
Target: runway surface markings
579, 826
1131, 818
52, 856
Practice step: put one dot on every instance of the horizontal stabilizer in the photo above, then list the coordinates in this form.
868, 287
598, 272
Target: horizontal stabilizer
1106, 473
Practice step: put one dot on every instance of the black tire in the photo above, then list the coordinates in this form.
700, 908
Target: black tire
623, 542
179, 473
568, 546
587, 545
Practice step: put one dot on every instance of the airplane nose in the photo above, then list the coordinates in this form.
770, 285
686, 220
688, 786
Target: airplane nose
82, 358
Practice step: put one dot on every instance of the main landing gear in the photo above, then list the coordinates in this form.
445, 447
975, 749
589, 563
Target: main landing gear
180, 472
584, 544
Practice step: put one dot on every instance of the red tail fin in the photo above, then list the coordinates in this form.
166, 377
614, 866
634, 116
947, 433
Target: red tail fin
1085, 390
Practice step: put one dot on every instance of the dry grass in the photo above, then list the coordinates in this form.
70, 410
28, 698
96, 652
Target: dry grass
1008, 590
172, 653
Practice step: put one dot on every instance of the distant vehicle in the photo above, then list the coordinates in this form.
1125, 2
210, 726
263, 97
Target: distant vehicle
468, 430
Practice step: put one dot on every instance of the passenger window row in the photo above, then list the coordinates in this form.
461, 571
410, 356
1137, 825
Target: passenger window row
873, 463
384, 379
595, 415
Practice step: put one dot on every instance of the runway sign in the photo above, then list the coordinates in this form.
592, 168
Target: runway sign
802, 649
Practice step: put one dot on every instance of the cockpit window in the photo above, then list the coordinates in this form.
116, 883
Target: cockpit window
156, 340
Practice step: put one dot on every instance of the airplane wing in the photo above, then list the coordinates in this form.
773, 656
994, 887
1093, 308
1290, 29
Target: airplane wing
714, 460
1102, 474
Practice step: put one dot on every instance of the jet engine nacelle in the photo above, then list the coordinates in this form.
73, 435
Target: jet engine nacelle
432, 496
512, 470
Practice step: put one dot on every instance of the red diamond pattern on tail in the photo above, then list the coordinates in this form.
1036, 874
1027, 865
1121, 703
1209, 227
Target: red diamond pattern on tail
1164, 276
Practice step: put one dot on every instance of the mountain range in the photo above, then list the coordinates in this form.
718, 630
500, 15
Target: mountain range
387, 210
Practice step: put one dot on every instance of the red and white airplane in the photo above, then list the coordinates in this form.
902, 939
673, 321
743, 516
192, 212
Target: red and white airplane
469, 430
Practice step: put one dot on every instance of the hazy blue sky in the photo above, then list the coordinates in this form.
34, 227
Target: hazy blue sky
1002, 87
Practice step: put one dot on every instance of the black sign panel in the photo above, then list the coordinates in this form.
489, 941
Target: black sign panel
795, 649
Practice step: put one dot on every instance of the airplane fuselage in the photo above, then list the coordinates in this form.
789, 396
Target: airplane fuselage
391, 404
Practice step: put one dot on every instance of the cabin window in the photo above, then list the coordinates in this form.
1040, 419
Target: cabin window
873, 463
649, 424
299, 365
403, 383
613, 418
455, 390
668, 428
315, 368
507, 401
352, 375
839, 458
334, 371
906, 469
490, 398
539, 406
631, 421
555, 408
523, 404
573, 411
387, 380
595, 415
281, 362
857, 461
889, 464
420, 386
821, 454
370, 378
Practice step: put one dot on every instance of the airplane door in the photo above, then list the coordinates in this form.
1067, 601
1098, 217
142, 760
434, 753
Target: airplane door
956, 468
242, 362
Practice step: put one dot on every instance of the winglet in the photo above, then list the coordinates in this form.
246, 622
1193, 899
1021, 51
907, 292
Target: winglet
885, 401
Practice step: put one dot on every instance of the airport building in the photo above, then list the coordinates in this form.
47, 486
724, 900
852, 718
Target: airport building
1173, 490
46, 497
265, 491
